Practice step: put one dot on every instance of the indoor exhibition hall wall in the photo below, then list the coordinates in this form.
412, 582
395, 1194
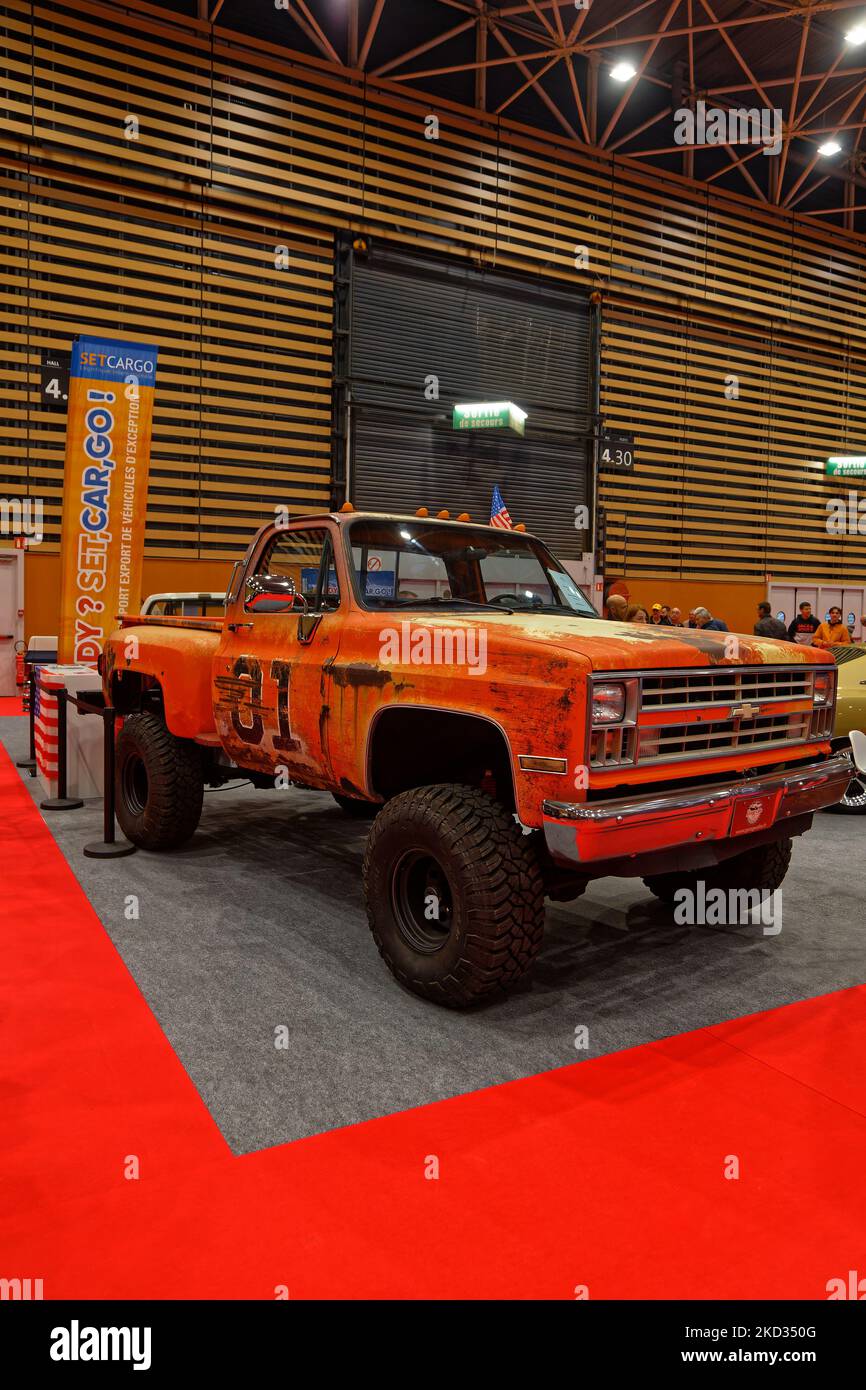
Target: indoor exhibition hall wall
163, 183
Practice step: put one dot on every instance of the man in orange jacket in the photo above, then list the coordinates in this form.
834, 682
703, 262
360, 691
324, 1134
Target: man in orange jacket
833, 632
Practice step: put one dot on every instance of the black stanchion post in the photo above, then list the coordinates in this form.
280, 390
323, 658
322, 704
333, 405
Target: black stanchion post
109, 847
61, 802
29, 763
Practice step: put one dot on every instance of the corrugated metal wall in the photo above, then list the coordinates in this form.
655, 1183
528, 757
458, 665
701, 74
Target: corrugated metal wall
240, 150
424, 335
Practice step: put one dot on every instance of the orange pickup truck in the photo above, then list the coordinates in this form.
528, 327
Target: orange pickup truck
451, 681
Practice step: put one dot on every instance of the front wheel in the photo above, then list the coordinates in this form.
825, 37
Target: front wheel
454, 893
159, 784
763, 868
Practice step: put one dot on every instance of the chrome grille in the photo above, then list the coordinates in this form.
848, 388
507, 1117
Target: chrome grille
731, 684
697, 740
726, 710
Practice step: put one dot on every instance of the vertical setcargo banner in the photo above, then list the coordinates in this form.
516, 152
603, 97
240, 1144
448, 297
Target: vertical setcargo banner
108, 434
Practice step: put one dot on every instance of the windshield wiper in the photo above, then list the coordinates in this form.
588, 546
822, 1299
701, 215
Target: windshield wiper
569, 611
450, 602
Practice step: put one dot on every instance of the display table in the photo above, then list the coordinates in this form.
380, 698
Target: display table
84, 734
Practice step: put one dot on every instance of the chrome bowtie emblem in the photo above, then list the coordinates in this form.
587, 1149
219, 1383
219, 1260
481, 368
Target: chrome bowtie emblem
745, 711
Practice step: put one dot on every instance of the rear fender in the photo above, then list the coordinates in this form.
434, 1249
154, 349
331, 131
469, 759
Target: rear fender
139, 661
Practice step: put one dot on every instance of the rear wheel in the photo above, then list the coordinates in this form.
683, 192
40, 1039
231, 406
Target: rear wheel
763, 867
159, 784
454, 894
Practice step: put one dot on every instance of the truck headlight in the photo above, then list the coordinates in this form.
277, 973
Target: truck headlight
822, 690
608, 703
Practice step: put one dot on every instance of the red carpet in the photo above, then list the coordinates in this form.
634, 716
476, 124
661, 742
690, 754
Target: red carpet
609, 1173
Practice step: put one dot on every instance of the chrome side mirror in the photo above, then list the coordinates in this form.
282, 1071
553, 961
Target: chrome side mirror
858, 748
273, 593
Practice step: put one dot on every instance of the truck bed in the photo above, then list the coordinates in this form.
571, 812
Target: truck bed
196, 624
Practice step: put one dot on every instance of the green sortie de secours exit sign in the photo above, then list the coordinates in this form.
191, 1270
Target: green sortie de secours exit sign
847, 466
490, 415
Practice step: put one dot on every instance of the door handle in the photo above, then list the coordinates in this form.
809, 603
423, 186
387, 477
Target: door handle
308, 626
6, 636
236, 627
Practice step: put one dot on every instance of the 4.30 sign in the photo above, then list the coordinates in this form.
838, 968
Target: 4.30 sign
616, 452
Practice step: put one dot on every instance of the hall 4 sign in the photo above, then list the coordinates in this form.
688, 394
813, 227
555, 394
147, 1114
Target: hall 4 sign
54, 379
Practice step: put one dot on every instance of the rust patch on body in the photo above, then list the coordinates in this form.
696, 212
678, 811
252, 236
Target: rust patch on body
361, 675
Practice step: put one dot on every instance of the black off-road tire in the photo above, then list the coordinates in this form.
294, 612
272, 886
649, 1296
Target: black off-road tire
489, 886
763, 867
356, 808
159, 784
666, 886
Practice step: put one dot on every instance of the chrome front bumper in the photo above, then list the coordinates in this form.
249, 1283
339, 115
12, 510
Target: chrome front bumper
581, 833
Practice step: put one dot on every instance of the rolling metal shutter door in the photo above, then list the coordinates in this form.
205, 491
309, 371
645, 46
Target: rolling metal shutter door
484, 337
431, 465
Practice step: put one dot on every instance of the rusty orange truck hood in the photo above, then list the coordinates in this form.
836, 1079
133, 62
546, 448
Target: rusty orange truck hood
613, 646
605, 646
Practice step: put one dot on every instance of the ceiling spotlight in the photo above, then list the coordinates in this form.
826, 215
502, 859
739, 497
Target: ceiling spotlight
623, 72
856, 35
830, 147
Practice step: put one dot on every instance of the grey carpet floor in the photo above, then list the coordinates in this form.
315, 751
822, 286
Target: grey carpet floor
259, 924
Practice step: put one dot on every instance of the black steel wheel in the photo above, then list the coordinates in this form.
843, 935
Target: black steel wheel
454, 892
159, 784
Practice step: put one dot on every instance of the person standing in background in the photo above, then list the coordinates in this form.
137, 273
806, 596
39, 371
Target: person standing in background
767, 625
705, 620
616, 607
804, 627
832, 633
676, 617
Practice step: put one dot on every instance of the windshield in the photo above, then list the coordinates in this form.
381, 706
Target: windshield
419, 564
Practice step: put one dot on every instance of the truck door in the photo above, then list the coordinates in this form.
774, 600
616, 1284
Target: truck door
270, 677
